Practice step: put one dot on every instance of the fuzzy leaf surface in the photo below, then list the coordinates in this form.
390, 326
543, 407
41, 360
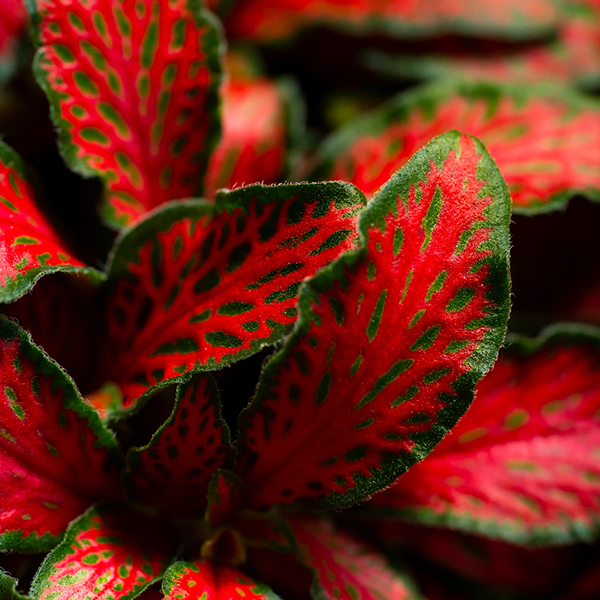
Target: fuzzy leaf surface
133, 91
197, 288
254, 141
56, 457
266, 20
345, 568
211, 581
173, 471
546, 144
108, 553
524, 463
29, 246
390, 342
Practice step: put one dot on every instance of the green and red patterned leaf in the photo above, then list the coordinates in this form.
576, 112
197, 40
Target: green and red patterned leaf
108, 553
211, 581
133, 90
255, 135
344, 567
173, 471
56, 458
390, 341
197, 288
225, 492
29, 246
546, 144
524, 463
269, 20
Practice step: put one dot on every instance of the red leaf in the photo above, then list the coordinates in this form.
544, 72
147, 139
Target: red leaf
13, 18
173, 471
193, 292
107, 553
268, 20
387, 349
546, 145
29, 247
211, 581
344, 567
254, 140
524, 464
133, 88
56, 458
224, 496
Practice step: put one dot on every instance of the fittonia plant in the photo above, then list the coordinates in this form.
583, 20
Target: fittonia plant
382, 316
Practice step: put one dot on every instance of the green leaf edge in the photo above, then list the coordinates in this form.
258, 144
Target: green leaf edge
164, 217
213, 484
480, 361
132, 459
215, 49
47, 568
8, 587
428, 96
567, 333
13, 289
14, 540
177, 568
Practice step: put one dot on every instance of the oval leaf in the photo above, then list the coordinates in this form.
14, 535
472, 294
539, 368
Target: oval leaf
524, 463
133, 90
108, 553
546, 144
173, 471
56, 458
29, 246
211, 581
389, 346
197, 289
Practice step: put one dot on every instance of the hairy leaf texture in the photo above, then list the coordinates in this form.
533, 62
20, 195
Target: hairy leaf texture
546, 144
133, 91
29, 246
196, 288
56, 457
344, 567
524, 463
173, 471
268, 20
108, 553
211, 581
390, 342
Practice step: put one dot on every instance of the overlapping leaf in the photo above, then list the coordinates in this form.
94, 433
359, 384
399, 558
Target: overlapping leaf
56, 458
390, 342
29, 247
267, 20
173, 471
255, 131
108, 553
524, 464
195, 288
133, 89
344, 567
211, 581
546, 144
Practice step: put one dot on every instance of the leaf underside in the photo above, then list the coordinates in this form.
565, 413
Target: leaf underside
108, 553
524, 463
344, 567
265, 20
55, 456
29, 247
195, 292
546, 144
133, 91
173, 471
390, 343
253, 146
211, 581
